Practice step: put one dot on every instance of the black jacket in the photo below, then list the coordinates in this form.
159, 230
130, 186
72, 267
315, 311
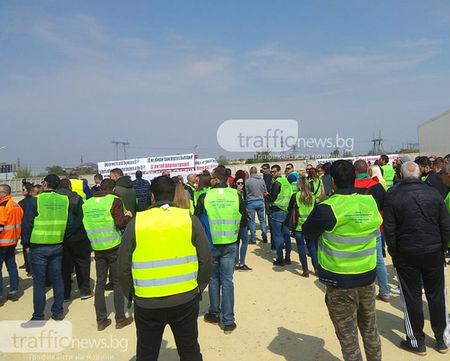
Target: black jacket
435, 180
415, 220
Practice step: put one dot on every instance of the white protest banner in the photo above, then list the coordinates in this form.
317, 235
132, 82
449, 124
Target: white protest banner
128, 166
207, 163
180, 162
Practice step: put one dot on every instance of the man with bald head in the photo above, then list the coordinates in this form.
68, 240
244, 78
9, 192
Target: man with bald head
365, 184
190, 188
417, 230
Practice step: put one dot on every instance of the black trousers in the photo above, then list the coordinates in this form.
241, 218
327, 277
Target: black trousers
72, 257
105, 260
182, 319
410, 271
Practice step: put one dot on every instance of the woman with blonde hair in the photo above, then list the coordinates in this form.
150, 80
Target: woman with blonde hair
375, 172
304, 201
181, 199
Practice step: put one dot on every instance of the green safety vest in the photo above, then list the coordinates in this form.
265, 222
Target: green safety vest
388, 175
222, 209
197, 194
447, 202
191, 199
164, 262
303, 211
350, 247
50, 223
285, 194
294, 186
77, 187
99, 223
316, 188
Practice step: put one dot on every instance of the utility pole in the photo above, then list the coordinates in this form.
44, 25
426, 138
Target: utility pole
117, 142
377, 145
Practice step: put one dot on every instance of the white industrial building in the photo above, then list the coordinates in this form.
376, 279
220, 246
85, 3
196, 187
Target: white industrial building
434, 135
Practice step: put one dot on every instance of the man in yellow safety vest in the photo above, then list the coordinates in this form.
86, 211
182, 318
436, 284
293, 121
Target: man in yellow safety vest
165, 263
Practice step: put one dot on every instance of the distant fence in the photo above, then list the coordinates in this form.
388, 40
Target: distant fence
16, 184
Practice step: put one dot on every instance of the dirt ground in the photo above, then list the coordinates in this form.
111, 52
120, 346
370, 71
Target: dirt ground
280, 316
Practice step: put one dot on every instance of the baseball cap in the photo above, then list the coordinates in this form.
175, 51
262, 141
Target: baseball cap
52, 180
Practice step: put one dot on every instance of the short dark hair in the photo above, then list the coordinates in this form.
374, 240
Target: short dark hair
276, 166
65, 183
385, 158
360, 166
221, 174
265, 165
98, 176
423, 161
107, 184
290, 165
163, 188
117, 171
228, 172
326, 167
343, 174
138, 174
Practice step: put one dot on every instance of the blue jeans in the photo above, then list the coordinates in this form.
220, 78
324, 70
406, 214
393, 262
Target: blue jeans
256, 206
7, 255
300, 239
222, 279
47, 260
382, 277
281, 235
242, 250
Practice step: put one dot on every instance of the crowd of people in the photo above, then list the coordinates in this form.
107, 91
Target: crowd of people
161, 243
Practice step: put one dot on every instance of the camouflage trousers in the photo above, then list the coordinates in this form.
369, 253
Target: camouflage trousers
350, 309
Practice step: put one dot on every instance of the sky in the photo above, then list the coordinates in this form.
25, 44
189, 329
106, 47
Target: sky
164, 75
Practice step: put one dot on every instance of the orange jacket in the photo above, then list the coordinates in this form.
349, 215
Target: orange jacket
10, 219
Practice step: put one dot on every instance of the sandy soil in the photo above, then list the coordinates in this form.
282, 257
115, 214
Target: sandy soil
280, 316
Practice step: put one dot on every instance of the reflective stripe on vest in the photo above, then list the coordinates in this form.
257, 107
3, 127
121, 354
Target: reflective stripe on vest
164, 261
50, 223
285, 194
99, 223
303, 211
222, 209
388, 175
350, 247
77, 187
10, 217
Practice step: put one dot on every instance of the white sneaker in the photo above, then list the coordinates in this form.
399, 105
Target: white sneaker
395, 290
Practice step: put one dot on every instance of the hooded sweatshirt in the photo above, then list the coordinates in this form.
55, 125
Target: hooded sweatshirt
125, 191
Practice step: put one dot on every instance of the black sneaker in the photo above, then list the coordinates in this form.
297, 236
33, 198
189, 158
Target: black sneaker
109, 287
264, 240
278, 262
441, 347
211, 318
420, 350
229, 328
13, 296
244, 267
287, 261
58, 318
